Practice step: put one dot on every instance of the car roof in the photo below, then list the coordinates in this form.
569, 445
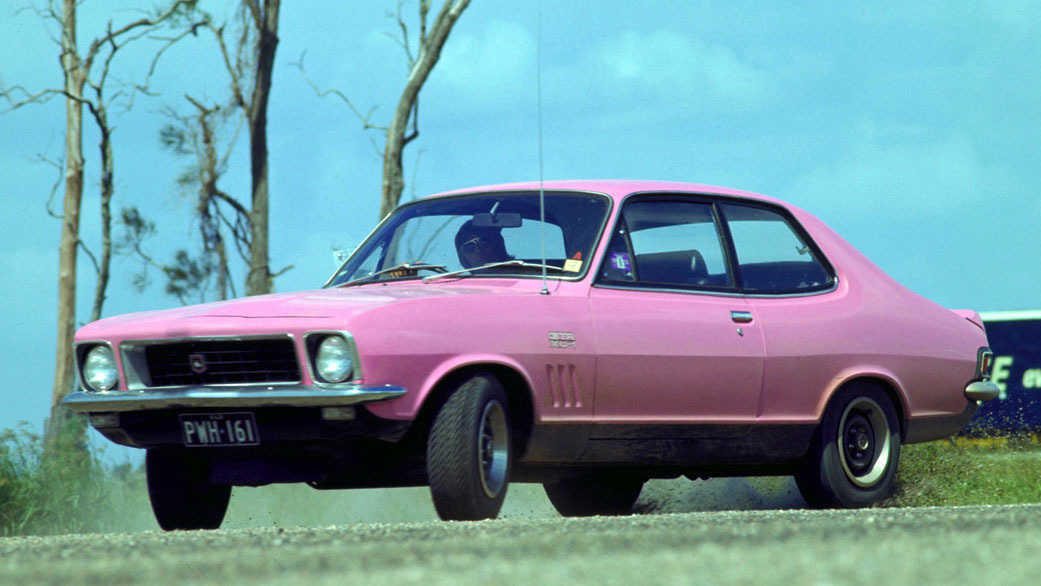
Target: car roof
616, 188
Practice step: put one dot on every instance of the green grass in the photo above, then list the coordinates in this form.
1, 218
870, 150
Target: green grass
63, 488
983, 471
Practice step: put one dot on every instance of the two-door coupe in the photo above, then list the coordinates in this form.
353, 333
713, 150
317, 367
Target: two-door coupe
587, 335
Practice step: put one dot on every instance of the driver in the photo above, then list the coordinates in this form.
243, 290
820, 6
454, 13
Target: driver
478, 246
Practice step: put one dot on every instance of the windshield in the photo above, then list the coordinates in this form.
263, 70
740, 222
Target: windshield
489, 234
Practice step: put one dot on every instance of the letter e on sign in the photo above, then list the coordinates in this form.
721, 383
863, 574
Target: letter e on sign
1000, 373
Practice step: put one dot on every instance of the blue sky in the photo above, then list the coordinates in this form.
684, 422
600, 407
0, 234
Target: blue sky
912, 129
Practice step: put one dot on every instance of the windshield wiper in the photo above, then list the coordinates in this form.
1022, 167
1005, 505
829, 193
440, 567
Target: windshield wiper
405, 266
504, 263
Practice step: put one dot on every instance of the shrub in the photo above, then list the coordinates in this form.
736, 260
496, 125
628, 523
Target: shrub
59, 488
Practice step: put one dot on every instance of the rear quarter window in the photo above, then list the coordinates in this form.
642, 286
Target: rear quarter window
773, 256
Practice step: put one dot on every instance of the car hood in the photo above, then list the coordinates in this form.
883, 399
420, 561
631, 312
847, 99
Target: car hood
282, 312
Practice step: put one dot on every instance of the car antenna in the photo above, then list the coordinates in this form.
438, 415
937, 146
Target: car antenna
542, 192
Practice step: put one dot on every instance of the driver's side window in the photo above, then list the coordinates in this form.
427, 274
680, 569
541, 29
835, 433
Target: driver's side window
670, 243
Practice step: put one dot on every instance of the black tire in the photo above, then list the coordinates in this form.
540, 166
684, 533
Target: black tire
181, 493
469, 451
855, 451
597, 493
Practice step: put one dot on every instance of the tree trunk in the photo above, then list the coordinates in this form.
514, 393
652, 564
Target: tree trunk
107, 189
259, 280
429, 53
64, 362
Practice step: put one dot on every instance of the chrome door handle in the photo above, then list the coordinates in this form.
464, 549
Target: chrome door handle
741, 317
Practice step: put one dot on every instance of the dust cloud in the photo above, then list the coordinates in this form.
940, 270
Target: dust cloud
298, 505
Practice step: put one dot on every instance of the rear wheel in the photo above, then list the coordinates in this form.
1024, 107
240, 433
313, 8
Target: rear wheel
181, 493
596, 493
469, 451
855, 451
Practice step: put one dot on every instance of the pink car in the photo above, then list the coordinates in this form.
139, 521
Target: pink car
587, 335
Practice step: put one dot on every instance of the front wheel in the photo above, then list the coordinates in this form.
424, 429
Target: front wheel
855, 452
181, 493
469, 451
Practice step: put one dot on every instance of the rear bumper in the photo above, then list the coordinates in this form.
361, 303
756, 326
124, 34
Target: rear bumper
228, 397
927, 429
982, 390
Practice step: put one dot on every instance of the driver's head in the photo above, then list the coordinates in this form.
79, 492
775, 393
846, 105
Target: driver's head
479, 245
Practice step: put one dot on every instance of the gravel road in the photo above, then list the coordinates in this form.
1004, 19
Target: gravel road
876, 546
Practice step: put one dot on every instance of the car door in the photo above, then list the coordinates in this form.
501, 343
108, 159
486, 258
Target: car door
802, 314
675, 342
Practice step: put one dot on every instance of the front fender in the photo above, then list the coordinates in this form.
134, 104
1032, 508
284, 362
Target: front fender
408, 406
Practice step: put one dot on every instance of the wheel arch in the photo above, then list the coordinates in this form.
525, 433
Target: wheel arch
518, 391
887, 384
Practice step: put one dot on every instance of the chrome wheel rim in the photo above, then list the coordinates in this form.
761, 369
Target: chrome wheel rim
493, 449
864, 442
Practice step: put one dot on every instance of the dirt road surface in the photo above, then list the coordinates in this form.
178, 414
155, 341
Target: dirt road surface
967, 545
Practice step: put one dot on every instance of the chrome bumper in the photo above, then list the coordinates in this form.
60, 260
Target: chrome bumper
227, 397
981, 390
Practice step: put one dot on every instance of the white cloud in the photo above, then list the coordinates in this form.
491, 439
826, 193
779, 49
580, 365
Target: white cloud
916, 177
669, 62
935, 214
497, 64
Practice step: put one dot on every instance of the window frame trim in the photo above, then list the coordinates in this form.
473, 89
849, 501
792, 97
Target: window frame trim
797, 228
736, 288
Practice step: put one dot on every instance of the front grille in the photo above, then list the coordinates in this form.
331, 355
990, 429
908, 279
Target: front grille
211, 362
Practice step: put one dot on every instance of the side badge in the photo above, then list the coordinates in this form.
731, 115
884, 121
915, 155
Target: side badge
561, 340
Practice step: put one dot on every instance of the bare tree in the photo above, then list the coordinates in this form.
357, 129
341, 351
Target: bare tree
77, 69
420, 64
263, 18
190, 277
249, 63
212, 201
248, 58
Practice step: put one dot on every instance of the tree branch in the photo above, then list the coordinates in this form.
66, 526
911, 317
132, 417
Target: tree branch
40, 97
57, 183
96, 45
233, 73
170, 41
93, 259
364, 118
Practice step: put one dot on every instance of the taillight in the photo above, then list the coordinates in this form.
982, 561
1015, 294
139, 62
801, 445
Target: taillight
984, 360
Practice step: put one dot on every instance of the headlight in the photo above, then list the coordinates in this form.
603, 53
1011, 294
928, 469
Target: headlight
333, 360
99, 369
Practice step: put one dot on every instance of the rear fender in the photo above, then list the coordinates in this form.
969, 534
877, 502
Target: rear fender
887, 380
971, 316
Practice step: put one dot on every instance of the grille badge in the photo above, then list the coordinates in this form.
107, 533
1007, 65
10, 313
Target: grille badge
197, 363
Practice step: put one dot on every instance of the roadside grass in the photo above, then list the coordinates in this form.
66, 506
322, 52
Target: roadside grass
64, 488
1004, 469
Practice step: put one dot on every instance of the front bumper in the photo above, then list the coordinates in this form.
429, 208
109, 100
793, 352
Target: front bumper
244, 396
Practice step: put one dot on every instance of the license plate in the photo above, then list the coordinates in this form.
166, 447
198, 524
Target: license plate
219, 429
